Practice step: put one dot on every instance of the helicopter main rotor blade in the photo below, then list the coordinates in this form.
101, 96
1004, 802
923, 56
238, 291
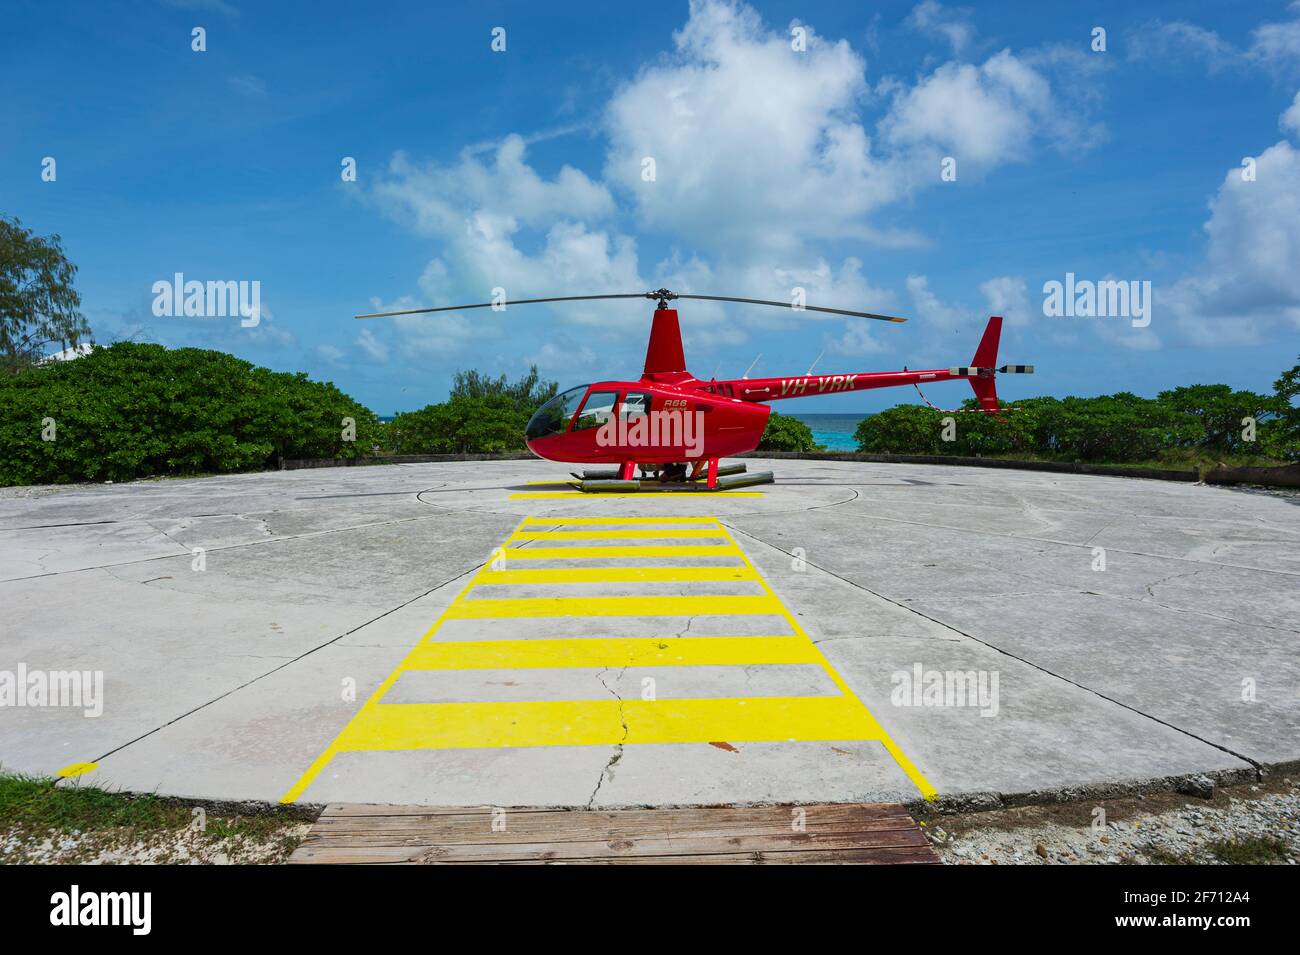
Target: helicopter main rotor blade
805, 308
518, 301
663, 295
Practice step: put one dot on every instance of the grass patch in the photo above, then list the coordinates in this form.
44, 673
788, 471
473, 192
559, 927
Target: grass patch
30, 802
1252, 850
1159, 855
37, 805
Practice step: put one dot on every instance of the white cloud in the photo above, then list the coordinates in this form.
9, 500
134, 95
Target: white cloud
978, 114
577, 360
1277, 44
428, 335
1290, 120
371, 346
1161, 42
489, 198
1246, 289
951, 23
488, 219
762, 154
756, 146
935, 313
1008, 296
1274, 45
860, 337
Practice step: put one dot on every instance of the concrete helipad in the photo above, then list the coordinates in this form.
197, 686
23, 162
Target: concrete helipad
466, 634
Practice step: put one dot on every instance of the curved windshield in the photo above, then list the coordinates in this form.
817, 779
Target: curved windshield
554, 416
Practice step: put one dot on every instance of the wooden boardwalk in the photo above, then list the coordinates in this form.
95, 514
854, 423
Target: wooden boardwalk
857, 833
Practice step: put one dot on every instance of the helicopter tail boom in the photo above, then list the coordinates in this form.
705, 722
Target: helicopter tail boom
980, 373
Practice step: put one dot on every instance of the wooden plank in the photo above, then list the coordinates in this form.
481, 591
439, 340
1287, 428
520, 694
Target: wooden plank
391, 855
663, 820
574, 851
832, 833
407, 832
782, 812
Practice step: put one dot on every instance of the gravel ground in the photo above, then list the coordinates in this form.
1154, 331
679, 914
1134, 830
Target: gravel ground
1252, 823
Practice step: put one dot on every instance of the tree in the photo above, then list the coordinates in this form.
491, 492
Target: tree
529, 392
38, 305
1220, 411
784, 433
1282, 435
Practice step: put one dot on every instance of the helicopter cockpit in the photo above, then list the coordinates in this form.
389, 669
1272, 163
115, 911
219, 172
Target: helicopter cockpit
554, 416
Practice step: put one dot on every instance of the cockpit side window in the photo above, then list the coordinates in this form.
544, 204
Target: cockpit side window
598, 410
635, 403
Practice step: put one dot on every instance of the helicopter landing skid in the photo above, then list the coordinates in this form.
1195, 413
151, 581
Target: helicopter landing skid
729, 478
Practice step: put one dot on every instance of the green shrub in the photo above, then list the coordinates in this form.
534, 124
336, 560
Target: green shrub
903, 429
1220, 411
1280, 437
482, 415
135, 410
784, 433
1120, 427
461, 425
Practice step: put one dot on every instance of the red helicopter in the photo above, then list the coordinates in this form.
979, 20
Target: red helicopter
675, 427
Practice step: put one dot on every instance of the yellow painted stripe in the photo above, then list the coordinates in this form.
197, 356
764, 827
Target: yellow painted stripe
585, 575
586, 521
590, 722
667, 532
641, 495
906, 765
632, 550
323, 760
672, 606
73, 770
406, 726
611, 652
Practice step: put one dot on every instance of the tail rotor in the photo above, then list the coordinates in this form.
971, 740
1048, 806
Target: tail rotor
984, 367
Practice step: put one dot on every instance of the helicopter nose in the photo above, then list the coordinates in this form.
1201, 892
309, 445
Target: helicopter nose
536, 446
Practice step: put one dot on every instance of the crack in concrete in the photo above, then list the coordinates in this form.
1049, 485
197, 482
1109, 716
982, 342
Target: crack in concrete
607, 771
1197, 613
1165, 580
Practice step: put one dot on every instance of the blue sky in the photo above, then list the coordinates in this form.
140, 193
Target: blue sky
774, 168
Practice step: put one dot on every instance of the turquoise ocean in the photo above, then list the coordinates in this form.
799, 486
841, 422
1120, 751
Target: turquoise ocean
835, 431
